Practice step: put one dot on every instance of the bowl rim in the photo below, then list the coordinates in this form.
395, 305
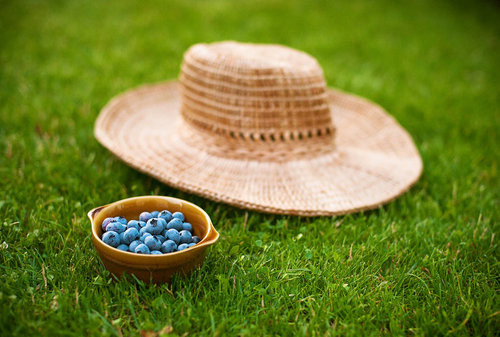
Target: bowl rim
112, 253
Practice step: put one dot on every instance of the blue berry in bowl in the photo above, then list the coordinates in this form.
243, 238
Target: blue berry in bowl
185, 236
144, 236
173, 235
175, 224
106, 222
133, 245
145, 216
111, 238
130, 235
142, 249
122, 247
178, 215
155, 232
133, 224
162, 222
116, 227
155, 226
168, 246
165, 215
187, 226
182, 247
152, 243
156, 252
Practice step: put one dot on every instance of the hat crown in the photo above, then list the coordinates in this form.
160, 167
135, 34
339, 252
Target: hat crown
255, 92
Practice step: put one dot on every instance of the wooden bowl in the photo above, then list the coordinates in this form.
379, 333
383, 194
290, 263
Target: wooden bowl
155, 268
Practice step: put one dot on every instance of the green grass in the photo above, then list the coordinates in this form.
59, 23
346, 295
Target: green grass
426, 264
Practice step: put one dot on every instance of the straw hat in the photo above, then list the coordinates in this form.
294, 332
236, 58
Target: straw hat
256, 127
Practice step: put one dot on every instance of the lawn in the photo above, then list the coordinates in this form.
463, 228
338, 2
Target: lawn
425, 264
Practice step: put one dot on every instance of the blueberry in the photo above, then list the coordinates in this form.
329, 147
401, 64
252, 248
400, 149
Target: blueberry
154, 214
162, 222
155, 226
142, 249
152, 243
182, 247
123, 247
144, 236
173, 235
165, 215
121, 237
195, 239
185, 236
141, 224
175, 224
155, 252
106, 222
121, 220
145, 216
187, 226
160, 238
168, 246
116, 227
191, 244
130, 235
133, 245
111, 238
133, 224
178, 215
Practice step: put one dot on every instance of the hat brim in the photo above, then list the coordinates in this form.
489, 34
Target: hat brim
374, 159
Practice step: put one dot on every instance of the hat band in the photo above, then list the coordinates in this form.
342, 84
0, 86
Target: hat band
265, 146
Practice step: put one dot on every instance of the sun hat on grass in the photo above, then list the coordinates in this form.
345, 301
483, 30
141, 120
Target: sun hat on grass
255, 126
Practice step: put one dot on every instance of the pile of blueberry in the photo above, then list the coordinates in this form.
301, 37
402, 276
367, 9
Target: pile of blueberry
154, 233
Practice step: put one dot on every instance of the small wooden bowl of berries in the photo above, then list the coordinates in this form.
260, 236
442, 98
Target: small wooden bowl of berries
151, 237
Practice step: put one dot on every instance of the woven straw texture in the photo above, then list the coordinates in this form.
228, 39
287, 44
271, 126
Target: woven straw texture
255, 126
